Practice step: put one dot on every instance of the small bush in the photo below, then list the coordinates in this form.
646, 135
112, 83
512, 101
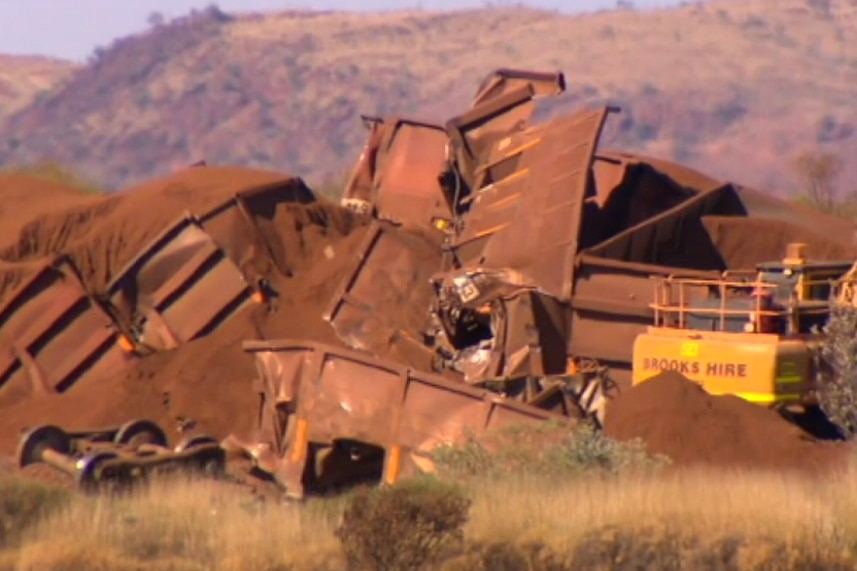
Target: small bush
836, 366
24, 503
406, 526
544, 450
589, 449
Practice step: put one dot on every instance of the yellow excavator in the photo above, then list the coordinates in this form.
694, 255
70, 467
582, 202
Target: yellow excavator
748, 334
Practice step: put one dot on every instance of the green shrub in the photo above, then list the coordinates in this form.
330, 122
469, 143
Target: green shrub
543, 450
588, 449
836, 366
406, 526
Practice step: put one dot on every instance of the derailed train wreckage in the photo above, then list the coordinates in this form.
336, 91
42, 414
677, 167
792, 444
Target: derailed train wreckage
550, 244
541, 251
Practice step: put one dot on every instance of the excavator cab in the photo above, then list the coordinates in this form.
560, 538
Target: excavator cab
747, 333
805, 287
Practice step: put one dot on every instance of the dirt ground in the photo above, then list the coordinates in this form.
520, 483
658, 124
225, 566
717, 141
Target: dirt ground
676, 417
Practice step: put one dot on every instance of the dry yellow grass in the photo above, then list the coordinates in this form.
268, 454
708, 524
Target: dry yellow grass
199, 525
701, 503
180, 525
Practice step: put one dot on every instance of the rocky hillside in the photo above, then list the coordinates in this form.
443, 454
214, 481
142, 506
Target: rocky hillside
735, 87
22, 78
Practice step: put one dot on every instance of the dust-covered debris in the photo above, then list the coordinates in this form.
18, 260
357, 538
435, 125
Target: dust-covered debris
492, 255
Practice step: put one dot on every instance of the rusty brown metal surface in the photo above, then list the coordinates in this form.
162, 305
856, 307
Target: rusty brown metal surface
828, 227
472, 133
704, 232
55, 335
582, 230
611, 306
765, 236
532, 218
242, 227
489, 326
357, 194
318, 394
512, 339
505, 80
407, 184
627, 194
689, 178
382, 303
397, 176
177, 288
613, 290
675, 237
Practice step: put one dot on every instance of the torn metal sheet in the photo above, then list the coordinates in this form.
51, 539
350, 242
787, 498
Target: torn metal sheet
358, 194
488, 325
397, 176
580, 393
242, 227
407, 186
530, 221
472, 133
319, 394
178, 288
381, 303
512, 339
505, 80
56, 335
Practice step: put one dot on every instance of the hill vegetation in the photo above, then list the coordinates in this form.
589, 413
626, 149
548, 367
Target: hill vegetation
736, 88
23, 77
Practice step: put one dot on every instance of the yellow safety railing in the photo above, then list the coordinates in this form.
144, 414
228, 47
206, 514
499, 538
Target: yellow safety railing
672, 298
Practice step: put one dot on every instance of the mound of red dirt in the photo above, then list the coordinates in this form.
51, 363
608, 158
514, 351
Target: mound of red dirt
742, 242
676, 417
209, 380
101, 234
24, 197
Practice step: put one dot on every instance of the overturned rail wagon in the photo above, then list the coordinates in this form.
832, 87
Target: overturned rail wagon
582, 229
197, 272
329, 415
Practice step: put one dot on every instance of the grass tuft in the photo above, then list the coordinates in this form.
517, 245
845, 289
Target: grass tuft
24, 503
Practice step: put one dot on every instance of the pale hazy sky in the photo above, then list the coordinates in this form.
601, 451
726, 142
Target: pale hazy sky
71, 29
